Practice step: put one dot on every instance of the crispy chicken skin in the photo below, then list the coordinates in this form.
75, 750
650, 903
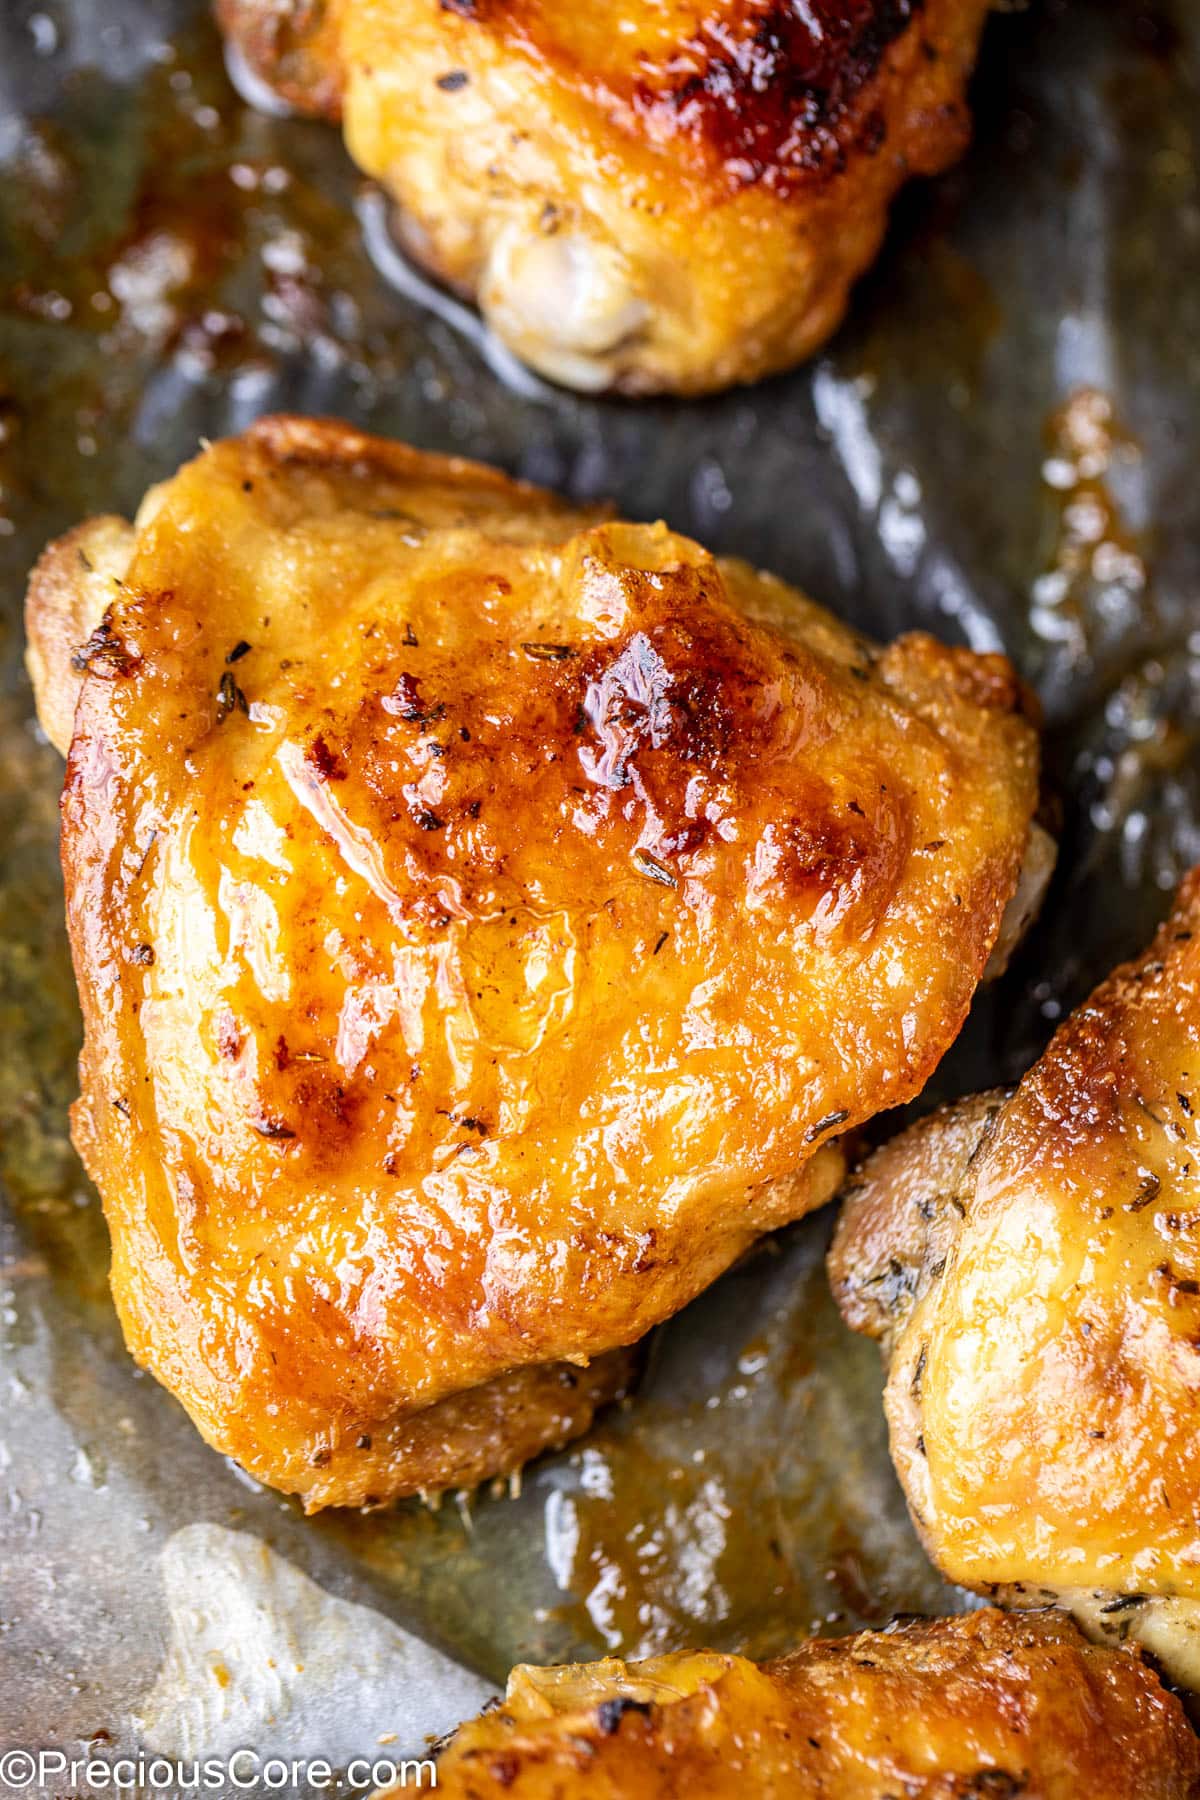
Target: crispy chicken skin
1032, 1266
672, 197
486, 919
981, 1707
72, 589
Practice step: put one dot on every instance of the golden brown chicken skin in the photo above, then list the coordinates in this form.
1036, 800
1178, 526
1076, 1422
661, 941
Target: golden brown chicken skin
486, 921
671, 197
980, 1707
1032, 1265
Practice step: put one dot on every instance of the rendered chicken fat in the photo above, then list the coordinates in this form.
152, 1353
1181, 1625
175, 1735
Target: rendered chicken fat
673, 197
486, 918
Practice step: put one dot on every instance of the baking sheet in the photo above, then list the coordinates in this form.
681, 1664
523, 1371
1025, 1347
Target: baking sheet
1003, 445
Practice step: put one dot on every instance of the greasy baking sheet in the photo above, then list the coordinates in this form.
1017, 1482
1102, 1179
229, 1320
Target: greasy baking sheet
1003, 446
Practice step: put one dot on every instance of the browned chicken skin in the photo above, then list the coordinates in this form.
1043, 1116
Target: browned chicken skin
674, 197
981, 1707
486, 919
1032, 1266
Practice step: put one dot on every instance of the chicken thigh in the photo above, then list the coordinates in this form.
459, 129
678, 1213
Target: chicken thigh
979, 1707
1031, 1265
486, 920
649, 197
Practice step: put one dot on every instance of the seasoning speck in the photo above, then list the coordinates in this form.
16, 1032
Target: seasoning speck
609, 1713
650, 865
230, 698
548, 652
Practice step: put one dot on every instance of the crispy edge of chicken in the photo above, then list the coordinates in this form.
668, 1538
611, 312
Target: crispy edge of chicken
461, 1437
674, 208
983, 1706
1029, 1266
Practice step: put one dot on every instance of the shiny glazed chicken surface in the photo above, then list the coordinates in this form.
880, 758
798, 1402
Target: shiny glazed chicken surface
649, 197
1032, 1267
980, 1707
486, 918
